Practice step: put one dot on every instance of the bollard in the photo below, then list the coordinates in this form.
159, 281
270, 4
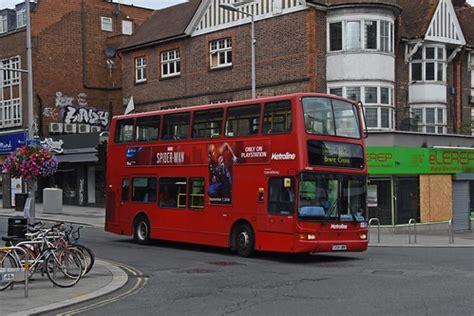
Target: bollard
375, 219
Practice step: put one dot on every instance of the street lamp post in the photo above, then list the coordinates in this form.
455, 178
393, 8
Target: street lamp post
231, 7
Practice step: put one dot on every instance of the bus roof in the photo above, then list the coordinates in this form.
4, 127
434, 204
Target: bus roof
227, 104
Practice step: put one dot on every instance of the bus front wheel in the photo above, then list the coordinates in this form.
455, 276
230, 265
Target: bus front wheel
245, 240
141, 230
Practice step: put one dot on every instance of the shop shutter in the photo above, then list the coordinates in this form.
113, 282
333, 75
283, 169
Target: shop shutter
461, 205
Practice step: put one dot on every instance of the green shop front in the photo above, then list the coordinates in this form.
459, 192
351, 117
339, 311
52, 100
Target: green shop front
430, 185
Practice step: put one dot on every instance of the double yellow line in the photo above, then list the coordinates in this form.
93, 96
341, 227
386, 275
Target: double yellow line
141, 283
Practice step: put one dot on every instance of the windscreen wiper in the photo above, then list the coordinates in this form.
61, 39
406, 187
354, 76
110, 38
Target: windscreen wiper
331, 210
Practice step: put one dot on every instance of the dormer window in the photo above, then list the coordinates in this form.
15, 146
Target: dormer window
428, 64
3, 24
21, 18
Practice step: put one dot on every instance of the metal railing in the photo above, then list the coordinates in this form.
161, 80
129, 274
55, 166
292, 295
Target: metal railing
451, 231
411, 222
374, 219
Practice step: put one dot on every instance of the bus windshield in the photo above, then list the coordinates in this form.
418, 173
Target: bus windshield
331, 196
324, 116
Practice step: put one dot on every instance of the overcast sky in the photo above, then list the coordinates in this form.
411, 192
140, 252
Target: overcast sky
155, 4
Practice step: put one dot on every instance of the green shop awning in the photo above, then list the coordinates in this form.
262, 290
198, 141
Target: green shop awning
411, 160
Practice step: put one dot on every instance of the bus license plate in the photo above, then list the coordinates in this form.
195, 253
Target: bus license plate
339, 247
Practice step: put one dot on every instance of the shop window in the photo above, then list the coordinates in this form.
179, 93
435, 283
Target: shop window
172, 192
207, 123
144, 189
196, 193
379, 200
281, 195
407, 191
277, 117
243, 120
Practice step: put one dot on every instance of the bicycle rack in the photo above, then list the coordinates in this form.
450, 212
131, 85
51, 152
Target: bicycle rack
17, 274
451, 231
374, 219
411, 222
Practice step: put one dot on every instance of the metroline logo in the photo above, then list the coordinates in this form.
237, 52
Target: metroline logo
338, 226
283, 156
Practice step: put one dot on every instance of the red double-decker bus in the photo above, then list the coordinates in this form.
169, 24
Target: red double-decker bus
284, 174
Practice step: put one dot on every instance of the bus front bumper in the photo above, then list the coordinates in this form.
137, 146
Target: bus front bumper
307, 246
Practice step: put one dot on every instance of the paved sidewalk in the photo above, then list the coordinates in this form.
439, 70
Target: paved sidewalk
104, 278
93, 216
43, 296
435, 240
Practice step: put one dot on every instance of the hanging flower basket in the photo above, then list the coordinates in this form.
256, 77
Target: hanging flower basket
30, 163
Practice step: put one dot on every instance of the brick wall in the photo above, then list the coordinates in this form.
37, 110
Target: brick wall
69, 55
285, 63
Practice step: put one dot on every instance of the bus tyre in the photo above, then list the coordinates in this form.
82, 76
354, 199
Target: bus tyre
141, 230
245, 240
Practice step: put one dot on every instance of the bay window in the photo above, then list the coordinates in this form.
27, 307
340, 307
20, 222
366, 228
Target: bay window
428, 64
349, 35
430, 118
378, 103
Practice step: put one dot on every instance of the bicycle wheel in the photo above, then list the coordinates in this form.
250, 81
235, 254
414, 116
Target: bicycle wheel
7, 262
89, 254
81, 256
63, 267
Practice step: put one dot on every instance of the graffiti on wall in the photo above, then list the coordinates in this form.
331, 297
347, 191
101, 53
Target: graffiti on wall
77, 110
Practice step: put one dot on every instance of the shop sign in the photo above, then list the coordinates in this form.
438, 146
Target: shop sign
409, 160
10, 142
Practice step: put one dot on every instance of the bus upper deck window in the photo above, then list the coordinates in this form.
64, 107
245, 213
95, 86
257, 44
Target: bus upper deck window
147, 128
207, 123
176, 126
243, 120
277, 117
124, 131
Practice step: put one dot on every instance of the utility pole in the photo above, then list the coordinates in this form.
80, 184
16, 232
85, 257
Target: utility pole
31, 184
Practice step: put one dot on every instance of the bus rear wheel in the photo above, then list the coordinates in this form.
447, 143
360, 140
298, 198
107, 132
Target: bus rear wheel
141, 230
245, 240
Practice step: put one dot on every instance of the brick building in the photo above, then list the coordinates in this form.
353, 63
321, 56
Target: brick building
409, 62
76, 84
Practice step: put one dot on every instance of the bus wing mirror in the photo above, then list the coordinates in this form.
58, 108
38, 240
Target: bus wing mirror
365, 132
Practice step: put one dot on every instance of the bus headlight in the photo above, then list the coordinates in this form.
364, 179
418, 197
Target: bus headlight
363, 236
306, 237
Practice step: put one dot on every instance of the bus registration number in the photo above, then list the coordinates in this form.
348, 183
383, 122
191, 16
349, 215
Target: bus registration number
339, 247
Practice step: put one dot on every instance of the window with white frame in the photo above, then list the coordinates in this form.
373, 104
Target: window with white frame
221, 53
3, 24
472, 122
428, 63
21, 18
10, 113
127, 27
140, 69
353, 35
378, 103
430, 118
106, 24
364, 34
170, 63
11, 77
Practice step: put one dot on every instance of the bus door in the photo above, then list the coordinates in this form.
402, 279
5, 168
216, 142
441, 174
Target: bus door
281, 205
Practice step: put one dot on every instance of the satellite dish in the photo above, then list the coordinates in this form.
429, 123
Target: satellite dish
110, 52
